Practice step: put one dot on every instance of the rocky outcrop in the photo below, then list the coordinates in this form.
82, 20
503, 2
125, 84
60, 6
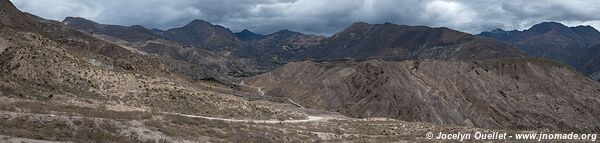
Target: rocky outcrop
514, 93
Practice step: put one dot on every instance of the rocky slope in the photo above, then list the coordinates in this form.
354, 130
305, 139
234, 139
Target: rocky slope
514, 93
554, 41
400, 42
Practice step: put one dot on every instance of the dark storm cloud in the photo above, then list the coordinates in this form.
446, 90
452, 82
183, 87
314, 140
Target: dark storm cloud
322, 16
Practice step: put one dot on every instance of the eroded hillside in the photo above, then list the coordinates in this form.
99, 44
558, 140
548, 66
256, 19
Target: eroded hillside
514, 93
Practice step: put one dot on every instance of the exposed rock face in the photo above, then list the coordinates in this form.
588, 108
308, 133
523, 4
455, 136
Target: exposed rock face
400, 42
554, 41
516, 93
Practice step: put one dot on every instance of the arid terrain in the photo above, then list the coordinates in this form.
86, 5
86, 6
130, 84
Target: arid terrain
80, 81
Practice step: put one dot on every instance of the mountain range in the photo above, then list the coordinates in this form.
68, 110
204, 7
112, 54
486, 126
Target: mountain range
79, 80
576, 46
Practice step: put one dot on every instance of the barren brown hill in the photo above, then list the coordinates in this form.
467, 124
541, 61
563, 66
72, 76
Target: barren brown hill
514, 93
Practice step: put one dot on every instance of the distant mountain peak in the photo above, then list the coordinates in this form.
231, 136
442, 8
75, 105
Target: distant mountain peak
198, 22
247, 35
245, 31
583, 26
82, 24
200, 33
286, 31
498, 30
553, 40
545, 26
79, 20
137, 27
356, 25
70, 18
400, 42
359, 24
586, 28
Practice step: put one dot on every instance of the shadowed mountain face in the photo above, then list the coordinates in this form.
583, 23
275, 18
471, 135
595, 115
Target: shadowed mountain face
591, 61
515, 93
280, 47
200, 42
199, 33
400, 42
246, 35
554, 41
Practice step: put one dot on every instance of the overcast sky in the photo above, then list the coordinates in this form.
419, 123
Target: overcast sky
322, 16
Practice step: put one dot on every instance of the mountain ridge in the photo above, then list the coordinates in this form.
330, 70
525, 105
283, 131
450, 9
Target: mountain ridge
553, 40
400, 42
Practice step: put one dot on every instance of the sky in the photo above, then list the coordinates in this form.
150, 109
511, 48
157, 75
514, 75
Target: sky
323, 17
